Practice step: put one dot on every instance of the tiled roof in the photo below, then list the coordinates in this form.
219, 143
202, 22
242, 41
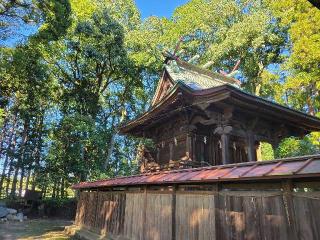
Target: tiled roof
195, 77
306, 166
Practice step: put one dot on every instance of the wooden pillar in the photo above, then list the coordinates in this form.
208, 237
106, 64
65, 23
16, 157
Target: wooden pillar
194, 138
212, 148
251, 148
225, 141
189, 146
171, 152
224, 132
275, 145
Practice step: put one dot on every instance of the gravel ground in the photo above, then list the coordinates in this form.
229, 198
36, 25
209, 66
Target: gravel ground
43, 229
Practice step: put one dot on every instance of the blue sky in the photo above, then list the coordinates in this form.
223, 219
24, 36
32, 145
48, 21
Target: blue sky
147, 8
161, 8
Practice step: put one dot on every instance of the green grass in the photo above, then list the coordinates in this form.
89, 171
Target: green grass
43, 229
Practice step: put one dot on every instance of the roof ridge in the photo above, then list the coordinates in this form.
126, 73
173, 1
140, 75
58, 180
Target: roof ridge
206, 72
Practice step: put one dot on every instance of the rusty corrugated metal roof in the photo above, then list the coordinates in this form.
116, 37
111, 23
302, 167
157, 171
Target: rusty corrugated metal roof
306, 166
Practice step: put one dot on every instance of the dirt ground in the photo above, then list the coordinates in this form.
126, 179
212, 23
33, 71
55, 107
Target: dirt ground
43, 229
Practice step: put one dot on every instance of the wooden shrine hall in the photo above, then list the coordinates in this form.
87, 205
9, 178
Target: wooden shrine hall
201, 118
200, 178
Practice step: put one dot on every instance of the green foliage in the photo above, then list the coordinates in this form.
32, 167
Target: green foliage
219, 31
56, 16
267, 151
302, 65
93, 64
292, 147
53, 16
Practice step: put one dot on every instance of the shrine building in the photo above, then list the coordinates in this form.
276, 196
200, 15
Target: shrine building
200, 175
201, 118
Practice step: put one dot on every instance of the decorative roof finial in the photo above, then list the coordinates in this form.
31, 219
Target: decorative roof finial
172, 56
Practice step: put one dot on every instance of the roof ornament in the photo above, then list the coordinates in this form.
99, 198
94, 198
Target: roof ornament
234, 70
175, 54
194, 59
208, 64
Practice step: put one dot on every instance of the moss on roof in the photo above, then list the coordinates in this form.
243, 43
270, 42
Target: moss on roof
195, 77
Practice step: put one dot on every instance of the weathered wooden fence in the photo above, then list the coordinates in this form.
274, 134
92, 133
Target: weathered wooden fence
278, 210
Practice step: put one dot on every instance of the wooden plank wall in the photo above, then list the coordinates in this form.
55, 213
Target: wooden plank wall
102, 212
307, 215
245, 217
158, 225
134, 218
195, 217
226, 214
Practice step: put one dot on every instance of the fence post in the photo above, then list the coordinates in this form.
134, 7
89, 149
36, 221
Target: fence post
96, 210
287, 188
216, 189
173, 212
144, 216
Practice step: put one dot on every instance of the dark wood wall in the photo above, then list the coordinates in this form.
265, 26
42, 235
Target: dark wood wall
280, 210
197, 141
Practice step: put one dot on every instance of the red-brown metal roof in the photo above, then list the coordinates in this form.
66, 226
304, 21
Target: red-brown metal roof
306, 166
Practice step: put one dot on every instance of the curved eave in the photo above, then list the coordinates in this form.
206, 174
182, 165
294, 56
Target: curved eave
249, 101
310, 123
259, 104
168, 100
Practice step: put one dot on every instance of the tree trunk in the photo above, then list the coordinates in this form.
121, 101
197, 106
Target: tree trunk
38, 151
28, 177
111, 143
44, 192
21, 180
10, 170
10, 145
58, 189
110, 150
3, 132
62, 188
54, 190
14, 181
11, 163
20, 161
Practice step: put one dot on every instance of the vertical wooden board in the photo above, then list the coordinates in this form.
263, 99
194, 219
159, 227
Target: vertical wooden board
274, 219
252, 217
100, 211
113, 214
91, 210
158, 217
87, 209
133, 223
238, 217
195, 218
307, 216
79, 220
231, 220
235, 217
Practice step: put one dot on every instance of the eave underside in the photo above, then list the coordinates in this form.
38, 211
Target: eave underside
181, 99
